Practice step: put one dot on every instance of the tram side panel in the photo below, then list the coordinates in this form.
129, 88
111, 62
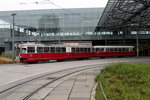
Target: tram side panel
54, 53
149, 52
81, 52
112, 51
113, 54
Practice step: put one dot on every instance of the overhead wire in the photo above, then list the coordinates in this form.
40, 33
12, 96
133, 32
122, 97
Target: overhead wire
67, 10
49, 1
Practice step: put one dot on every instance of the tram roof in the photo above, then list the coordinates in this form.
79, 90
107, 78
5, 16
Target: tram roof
132, 14
51, 45
113, 46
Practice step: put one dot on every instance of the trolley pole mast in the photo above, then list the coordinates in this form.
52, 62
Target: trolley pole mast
137, 44
13, 32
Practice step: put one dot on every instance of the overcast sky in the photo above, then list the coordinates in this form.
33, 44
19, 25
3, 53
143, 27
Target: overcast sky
7, 5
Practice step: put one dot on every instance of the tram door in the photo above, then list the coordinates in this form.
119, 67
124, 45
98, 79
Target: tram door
149, 52
146, 52
2, 49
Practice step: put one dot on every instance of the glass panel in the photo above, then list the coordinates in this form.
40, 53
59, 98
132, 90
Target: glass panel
97, 49
63, 49
23, 50
46, 49
31, 49
81, 49
107, 49
115, 49
126, 49
89, 50
111, 49
85, 49
58, 49
119, 49
39, 49
77, 49
102, 49
123, 49
73, 49
52, 49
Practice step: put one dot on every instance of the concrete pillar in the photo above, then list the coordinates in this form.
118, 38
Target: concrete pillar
124, 36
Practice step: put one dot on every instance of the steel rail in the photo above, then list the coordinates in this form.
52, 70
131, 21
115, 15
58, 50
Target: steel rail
77, 70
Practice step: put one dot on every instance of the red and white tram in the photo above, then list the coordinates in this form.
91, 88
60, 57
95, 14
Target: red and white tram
110, 51
39, 52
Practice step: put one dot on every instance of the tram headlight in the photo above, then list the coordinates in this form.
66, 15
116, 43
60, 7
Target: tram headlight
20, 56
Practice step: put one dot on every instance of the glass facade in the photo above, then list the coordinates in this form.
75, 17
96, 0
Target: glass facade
78, 24
52, 22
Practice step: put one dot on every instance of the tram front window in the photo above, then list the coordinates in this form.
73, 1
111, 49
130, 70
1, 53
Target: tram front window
24, 50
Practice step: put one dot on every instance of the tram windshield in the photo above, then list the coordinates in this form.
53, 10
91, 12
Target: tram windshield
23, 50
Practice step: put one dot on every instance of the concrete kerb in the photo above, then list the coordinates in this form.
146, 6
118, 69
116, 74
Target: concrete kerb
93, 92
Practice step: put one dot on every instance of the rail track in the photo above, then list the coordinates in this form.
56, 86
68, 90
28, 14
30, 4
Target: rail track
26, 90
43, 86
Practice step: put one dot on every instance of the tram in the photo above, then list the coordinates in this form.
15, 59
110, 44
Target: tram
110, 51
31, 52
39, 52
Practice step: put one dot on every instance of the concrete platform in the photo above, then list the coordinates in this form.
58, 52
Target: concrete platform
78, 87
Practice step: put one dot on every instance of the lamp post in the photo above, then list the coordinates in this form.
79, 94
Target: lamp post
13, 32
137, 44
137, 38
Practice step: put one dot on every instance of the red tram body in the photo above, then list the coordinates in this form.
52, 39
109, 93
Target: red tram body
39, 52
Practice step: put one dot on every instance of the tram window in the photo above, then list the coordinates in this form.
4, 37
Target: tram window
58, 49
73, 49
63, 49
52, 49
93, 50
77, 49
130, 49
40, 50
102, 49
81, 50
126, 49
119, 49
123, 49
111, 49
23, 50
46, 49
115, 49
97, 49
88, 50
84, 50
31, 49
107, 49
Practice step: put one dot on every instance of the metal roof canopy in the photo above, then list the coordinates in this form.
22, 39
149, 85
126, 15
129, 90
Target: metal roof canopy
131, 14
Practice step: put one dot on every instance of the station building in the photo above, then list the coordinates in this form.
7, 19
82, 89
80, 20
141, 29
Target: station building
49, 25
119, 23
